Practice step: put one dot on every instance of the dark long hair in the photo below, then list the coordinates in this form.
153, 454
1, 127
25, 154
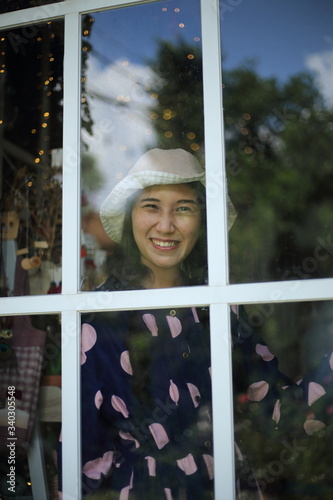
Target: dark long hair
125, 269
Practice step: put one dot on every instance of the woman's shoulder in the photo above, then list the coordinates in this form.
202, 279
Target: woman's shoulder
117, 281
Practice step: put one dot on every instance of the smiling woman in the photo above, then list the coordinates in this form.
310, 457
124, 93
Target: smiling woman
146, 386
157, 216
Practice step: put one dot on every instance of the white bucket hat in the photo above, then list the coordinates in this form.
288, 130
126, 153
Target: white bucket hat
155, 167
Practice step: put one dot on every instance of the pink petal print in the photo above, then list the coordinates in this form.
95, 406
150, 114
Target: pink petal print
235, 309
264, 352
316, 391
119, 405
238, 452
150, 321
98, 399
331, 361
151, 464
195, 315
174, 392
174, 325
277, 412
128, 437
125, 362
124, 493
159, 434
95, 468
195, 394
187, 464
209, 461
257, 391
168, 494
88, 340
312, 426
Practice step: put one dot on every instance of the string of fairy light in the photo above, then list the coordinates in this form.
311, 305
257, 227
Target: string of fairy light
3, 64
43, 86
38, 46
168, 114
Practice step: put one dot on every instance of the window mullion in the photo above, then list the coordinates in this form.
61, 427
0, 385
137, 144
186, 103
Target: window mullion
217, 229
71, 407
71, 154
71, 428
214, 145
223, 428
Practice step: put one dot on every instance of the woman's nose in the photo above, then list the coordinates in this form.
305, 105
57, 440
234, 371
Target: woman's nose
165, 223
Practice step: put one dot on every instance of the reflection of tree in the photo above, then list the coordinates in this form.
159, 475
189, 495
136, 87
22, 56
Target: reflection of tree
278, 139
178, 112
278, 142
86, 118
306, 473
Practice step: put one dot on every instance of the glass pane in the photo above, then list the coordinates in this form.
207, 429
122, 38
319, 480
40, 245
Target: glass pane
146, 404
142, 89
277, 69
31, 93
11, 5
30, 404
282, 371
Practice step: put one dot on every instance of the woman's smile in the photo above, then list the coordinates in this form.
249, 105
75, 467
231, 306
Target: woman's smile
164, 245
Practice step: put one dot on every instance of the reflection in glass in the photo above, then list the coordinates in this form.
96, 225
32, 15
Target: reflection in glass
31, 93
278, 134
30, 403
142, 88
282, 373
146, 404
11, 5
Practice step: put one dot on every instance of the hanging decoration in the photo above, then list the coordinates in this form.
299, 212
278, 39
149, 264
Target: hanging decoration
10, 225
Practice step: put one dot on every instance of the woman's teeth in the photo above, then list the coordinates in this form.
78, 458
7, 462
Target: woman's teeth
164, 243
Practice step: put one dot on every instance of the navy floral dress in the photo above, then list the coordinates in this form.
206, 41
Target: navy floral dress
146, 411
146, 405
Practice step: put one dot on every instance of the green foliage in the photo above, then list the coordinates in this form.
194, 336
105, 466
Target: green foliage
278, 142
178, 111
92, 178
278, 160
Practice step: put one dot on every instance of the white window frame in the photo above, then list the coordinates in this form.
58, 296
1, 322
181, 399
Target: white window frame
218, 295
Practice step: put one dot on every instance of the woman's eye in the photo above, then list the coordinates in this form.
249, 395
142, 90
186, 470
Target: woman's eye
184, 209
150, 206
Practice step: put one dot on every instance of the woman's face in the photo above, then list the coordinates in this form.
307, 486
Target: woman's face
166, 225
